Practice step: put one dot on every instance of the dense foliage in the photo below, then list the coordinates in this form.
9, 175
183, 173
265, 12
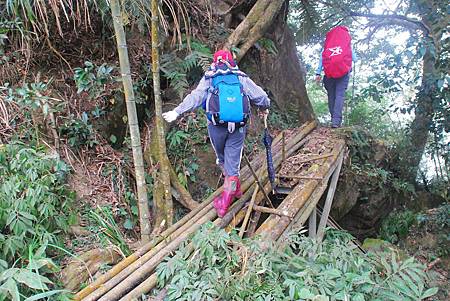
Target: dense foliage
218, 265
34, 210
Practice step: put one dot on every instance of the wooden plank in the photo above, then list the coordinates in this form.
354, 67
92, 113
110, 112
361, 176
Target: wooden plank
329, 199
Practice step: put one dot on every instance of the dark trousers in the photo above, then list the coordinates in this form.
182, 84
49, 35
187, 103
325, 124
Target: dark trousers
228, 147
336, 88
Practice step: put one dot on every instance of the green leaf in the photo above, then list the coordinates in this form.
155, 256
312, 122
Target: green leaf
429, 292
113, 139
45, 295
305, 293
10, 287
32, 280
128, 224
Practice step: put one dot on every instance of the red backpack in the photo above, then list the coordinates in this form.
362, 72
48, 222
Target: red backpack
337, 52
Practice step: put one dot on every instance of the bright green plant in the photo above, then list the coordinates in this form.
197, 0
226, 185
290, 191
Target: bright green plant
34, 209
181, 142
93, 79
78, 132
108, 229
217, 265
396, 226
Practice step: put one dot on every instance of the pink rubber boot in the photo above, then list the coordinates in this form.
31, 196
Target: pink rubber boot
231, 189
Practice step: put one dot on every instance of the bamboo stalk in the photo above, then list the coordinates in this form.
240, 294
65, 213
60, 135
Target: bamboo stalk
141, 289
313, 200
272, 211
151, 281
249, 210
299, 177
144, 212
239, 215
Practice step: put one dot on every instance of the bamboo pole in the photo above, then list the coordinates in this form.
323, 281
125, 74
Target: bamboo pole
143, 288
300, 177
144, 213
249, 210
239, 215
329, 199
257, 179
273, 211
164, 172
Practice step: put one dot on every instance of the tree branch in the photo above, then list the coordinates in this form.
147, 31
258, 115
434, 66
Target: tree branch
395, 19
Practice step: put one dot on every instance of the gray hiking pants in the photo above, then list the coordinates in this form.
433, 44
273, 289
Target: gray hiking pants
228, 147
336, 88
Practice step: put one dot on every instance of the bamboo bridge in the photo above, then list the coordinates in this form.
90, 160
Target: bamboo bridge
308, 160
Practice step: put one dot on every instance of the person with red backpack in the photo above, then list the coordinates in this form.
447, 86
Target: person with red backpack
225, 93
336, 61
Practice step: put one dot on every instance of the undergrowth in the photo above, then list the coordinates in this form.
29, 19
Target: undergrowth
35, 210
226, 267
191, 132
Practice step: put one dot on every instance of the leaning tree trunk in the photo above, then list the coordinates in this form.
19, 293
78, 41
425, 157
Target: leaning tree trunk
162, 195
282, 74
144, 214
253, 27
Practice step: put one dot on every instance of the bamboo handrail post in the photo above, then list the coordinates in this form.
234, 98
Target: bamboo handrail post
249, 210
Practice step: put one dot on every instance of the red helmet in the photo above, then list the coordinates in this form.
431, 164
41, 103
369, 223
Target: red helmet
223, 55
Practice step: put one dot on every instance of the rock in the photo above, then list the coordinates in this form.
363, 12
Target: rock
83, 267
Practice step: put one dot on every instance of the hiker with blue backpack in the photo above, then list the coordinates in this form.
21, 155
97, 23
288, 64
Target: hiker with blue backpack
225, 93
336, 61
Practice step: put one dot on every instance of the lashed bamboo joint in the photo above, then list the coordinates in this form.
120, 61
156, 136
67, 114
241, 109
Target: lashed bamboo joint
323, 156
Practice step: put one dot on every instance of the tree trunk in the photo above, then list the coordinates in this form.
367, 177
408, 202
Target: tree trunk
163, 179
420, 127
144, 214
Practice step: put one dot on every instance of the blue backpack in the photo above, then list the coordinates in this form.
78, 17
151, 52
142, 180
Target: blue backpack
227, 101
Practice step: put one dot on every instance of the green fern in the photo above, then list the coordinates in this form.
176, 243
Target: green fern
178, 64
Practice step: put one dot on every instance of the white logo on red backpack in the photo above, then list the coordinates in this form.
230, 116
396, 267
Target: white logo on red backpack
335, 51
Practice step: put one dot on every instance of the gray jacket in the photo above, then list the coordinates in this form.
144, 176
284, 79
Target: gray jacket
194, 100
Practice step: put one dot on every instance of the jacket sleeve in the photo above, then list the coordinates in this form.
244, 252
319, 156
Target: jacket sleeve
194, 99
255, 93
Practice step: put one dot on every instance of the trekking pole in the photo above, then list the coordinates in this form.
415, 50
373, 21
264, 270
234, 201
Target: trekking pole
257, 180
